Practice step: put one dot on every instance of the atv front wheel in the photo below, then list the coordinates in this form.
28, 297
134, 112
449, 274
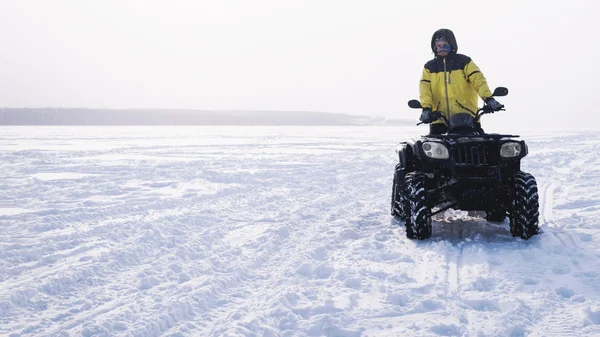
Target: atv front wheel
398, 208
525, 212
418, 223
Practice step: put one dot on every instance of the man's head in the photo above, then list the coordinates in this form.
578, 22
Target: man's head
443, 43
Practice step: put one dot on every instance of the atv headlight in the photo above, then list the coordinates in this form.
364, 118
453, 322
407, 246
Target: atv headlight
436, 150
510, 149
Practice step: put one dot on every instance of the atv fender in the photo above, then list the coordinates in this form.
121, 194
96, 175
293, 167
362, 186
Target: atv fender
405, 156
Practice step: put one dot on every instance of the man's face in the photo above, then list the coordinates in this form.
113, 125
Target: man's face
442, 48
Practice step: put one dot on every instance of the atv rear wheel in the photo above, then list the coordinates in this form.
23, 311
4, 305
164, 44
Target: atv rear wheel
418, 223
525, 212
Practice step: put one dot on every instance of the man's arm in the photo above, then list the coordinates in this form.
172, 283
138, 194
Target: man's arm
425, 93
477, 80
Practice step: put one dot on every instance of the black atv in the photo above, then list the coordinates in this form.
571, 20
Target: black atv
464, 169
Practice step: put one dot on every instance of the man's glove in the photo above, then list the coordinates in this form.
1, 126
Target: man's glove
493, 104
426, 116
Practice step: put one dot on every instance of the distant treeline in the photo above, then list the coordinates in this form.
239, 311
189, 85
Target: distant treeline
68, 116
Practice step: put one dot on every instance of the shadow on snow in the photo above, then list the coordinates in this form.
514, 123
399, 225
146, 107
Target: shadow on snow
458, 228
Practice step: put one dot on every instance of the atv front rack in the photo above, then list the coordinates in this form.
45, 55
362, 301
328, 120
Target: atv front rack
494, 136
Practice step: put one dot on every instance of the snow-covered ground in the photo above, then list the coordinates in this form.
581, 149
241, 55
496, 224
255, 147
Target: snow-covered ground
278, 231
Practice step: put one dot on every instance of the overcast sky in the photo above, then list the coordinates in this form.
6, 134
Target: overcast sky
358, 57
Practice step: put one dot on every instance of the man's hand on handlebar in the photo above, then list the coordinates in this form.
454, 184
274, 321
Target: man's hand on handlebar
428, 116
493, 105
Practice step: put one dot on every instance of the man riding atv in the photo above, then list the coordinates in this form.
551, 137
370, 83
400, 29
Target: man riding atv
458, 165
451, 84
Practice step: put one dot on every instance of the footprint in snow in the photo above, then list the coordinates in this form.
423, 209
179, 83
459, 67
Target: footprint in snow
319, 254
322, 271
565, 292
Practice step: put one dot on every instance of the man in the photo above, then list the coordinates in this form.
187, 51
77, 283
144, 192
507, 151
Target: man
451, 83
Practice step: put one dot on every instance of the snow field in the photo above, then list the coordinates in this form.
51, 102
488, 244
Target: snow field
282, 231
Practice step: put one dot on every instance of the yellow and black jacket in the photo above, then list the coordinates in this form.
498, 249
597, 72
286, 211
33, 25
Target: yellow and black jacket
453, 83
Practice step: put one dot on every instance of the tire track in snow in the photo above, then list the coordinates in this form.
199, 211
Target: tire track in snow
274, 264
124, 254
547, 215
309, 230
456, 261
547, 198
201, 294
554, 318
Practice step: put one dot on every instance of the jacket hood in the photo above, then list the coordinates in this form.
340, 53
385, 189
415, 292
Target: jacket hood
448, 35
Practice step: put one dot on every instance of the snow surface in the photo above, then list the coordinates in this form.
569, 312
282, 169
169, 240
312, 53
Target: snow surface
278, 231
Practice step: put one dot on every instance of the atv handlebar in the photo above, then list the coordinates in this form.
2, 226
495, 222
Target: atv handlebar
499, 91
486, 110
480, 112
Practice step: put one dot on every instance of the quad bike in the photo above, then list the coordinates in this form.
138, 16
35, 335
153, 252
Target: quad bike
465, 169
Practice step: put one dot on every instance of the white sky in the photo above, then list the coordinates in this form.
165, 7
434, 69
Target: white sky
359, 57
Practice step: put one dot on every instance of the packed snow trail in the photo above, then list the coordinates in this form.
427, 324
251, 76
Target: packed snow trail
278, 231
